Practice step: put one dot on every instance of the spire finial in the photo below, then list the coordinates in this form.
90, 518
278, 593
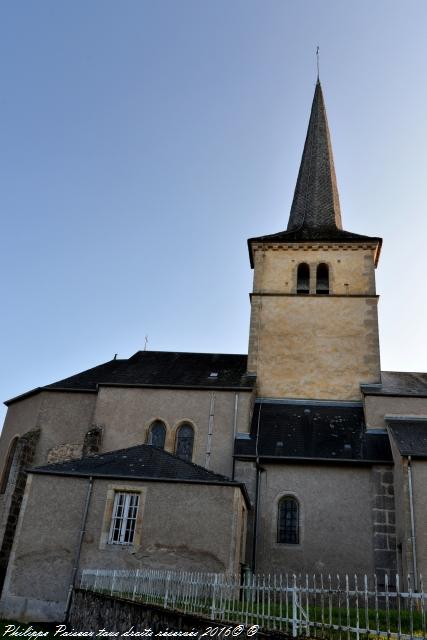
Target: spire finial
318, 66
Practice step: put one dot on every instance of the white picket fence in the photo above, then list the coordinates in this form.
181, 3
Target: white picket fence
316, 605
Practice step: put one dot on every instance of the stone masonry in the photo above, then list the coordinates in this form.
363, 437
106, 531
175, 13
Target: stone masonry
23, 458
384, 522
71, 451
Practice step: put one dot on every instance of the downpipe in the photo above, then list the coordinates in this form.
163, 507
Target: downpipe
78, 548
259, 470
412, 512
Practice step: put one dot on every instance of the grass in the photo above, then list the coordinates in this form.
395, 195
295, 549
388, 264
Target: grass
235, 611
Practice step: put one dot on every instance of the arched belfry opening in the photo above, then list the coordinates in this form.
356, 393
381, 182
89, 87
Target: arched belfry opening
322, 279
303, 279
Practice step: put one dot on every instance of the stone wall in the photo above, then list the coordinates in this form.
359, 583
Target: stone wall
314, 346
383, 521
23, 457
93, 611
70, 451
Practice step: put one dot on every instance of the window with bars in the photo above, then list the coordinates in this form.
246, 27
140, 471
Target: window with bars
288, 521
125, 510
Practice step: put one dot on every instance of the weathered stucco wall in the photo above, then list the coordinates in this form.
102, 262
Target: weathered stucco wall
126, 415
403, 541
21, 417
184, 526
41, 561
403, 513
314, 346
335, 519
62, 417
376, 407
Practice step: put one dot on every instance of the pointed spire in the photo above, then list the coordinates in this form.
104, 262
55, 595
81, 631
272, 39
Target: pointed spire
316, 202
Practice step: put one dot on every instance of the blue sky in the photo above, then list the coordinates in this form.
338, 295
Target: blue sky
142, 142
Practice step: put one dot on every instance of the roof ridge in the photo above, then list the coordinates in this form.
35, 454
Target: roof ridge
190, 462
190, 353
147, 447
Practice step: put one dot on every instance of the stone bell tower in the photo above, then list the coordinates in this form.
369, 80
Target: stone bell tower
314, 322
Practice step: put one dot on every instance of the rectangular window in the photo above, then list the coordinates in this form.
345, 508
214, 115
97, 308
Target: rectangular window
125, 508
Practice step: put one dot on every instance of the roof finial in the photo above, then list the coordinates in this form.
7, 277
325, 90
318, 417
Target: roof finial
146, 343
318, 66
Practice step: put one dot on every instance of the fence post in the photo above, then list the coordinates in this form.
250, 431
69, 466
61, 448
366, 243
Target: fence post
95, 584
135, 584
168, 579
113, 581
294, 608
213, 596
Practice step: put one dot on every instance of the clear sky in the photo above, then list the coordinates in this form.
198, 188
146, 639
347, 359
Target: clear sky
142, 142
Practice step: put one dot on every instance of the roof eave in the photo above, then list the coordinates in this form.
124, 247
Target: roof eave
207, 387
377, 242
313, 460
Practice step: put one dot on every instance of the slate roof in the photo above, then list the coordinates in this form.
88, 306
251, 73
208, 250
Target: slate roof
315, 212
398, 383
161, 369
410, 438
316, 201
142, 462
329, 432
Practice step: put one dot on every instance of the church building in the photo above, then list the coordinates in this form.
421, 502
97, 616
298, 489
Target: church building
299, 456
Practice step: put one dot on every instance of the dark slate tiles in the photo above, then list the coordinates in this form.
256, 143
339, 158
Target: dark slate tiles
410, 437
310, 431
161, 369
141, 461
399, 383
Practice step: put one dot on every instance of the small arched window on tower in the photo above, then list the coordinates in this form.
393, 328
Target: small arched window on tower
322, 279
157, 434
288, 521
184, 442
303, 279
8, 465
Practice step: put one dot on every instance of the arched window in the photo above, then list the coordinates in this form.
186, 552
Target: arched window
157, 434
322, 279
184, 442
288, 521
8, 465
303, 278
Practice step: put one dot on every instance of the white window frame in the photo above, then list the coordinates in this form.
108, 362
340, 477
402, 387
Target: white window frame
124, 519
